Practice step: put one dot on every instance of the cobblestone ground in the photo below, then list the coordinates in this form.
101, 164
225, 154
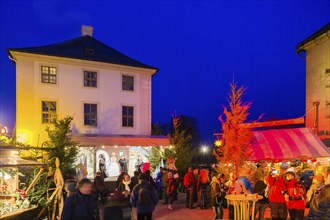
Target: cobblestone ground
180, 212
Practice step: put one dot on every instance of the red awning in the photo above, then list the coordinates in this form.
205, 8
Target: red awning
120, 140
287, 144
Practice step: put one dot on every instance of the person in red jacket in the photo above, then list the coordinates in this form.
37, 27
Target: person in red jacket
276, 190
294, 197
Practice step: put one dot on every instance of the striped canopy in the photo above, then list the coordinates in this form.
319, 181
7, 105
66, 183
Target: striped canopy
287, 144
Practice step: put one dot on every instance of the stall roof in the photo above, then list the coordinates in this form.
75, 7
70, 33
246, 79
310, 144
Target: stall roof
287, 144
16, 161
120, 140
9, 157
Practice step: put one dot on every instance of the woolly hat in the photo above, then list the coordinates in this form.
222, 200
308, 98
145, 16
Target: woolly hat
291, 171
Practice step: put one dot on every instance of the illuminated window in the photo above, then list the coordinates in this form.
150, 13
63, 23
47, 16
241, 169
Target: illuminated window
90, 114
48, 74
128, 116
128, 83
48, 111
90, 79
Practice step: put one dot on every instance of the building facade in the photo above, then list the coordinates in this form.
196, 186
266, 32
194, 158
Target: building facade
107, 93
317, 55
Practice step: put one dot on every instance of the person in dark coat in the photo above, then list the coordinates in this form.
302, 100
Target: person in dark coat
149, 179
120, 178
320, 206
259, 188
218, 193
134, 179
144, 198
81, 205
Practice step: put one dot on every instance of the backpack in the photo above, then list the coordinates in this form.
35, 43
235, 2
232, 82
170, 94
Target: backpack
186, 180
144, 195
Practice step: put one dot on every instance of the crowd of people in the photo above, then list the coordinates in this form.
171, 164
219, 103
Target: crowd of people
285, 192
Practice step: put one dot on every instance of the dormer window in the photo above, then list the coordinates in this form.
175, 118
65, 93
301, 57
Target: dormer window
89, 51
48, 74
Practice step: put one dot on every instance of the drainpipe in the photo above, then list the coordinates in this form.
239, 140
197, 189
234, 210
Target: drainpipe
316, 118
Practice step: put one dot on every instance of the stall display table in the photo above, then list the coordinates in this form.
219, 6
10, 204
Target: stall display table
244, 205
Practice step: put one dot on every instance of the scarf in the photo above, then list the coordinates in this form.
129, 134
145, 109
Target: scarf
126, 184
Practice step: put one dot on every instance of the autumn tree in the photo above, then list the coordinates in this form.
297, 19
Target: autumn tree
235, 147
60, 144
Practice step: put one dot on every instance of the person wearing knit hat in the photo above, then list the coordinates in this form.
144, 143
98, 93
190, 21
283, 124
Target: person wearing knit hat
294, 196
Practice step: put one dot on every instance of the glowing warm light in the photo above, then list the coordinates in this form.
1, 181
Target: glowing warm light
102, 146
24, 136
289, 162
127, 146
268, 165
229, 164
116, 146
218, 143
308, 161
4, 175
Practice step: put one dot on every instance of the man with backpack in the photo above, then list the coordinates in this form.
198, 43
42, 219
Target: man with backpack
144, 198
188, 182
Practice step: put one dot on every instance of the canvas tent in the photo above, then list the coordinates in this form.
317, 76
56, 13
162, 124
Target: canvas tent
286, 144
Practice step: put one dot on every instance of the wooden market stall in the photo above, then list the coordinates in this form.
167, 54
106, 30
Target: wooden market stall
12, 200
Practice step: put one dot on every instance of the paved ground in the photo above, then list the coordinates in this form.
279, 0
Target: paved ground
182, 213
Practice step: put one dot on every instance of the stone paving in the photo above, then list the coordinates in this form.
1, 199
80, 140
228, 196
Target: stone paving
182, 213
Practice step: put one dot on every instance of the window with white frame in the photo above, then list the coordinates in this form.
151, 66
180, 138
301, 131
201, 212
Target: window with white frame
48, 74
48, 109
128, 116
90, 79
90, 114
127, 83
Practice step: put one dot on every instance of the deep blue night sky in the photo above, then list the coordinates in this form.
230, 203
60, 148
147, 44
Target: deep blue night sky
199, 47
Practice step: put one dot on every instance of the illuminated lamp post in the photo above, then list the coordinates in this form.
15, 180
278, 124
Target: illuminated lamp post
204, 150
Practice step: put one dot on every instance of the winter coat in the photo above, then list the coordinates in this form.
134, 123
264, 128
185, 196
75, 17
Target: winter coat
164, 178
320, 206
142, 204
215, 191
80, 207
276, 189
259, 188
296, 195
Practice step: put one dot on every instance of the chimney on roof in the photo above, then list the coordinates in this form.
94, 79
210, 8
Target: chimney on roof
86, 30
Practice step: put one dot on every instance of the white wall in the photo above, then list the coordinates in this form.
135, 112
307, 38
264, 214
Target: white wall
70, 95
317, 61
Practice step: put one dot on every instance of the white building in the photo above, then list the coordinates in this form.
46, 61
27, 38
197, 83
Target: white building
107, 93
317, 50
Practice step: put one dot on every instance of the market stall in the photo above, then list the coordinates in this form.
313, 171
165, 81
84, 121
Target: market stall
13, 200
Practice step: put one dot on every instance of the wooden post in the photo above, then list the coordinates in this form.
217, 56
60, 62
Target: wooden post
34, 180
316, 118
